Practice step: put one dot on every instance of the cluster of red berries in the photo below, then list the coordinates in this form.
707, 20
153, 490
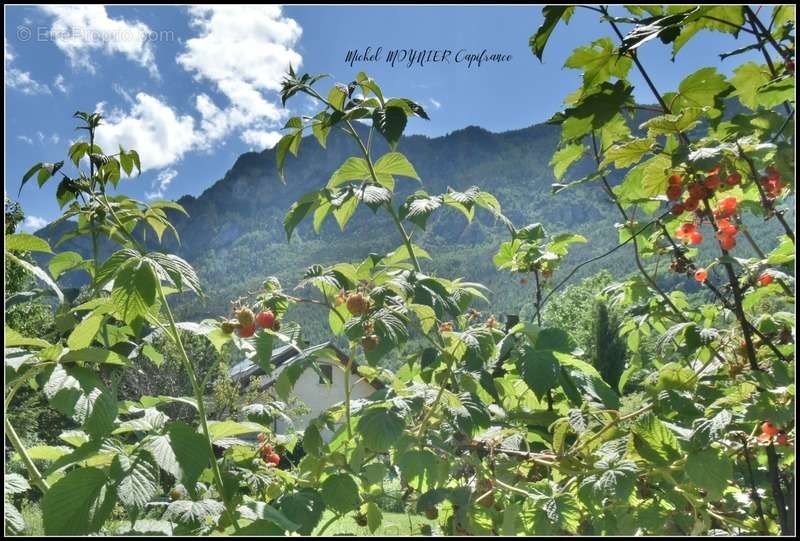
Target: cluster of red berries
726, 230
247, 322
771, 182
266, 451
770, 431
698, 190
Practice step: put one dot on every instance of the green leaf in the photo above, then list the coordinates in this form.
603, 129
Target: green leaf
390, 122
136, 478
226, 429
700, 89
337, 96
194, 512
352, 169
539, 369
94, 355
84, 332
422, 469
711, 470
181, 452
654, 441
381, 428
340, 493
626, 154
565, 157
12, 338
685, 120
395, 163
134, 291
374, 517
78, 504
599, 62
304, 507
179, 271
747, 79
79, 394
32, 171
552, 16
24, 242
261, 512
64, 262
38, 273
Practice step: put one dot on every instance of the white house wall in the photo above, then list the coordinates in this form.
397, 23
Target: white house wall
321, 396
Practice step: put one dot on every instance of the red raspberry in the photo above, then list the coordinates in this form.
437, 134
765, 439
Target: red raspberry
697, 191
695, 238
674, 192
782, 438
675, 180
727, 243
733, 179
246, 331
691, 204
677, 210
701, 275
769, 429
727, 207
765, 279
266, 319
713, 182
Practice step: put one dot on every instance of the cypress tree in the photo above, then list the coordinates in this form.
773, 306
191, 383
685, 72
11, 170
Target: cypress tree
608, 350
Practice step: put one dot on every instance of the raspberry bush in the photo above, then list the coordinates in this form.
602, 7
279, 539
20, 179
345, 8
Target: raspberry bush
491, 429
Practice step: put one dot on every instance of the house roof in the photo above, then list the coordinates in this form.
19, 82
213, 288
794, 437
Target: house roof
283, 357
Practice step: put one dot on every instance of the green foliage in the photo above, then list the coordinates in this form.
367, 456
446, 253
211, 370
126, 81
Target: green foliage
534, 429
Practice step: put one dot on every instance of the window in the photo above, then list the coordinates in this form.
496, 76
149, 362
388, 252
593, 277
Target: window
325, 374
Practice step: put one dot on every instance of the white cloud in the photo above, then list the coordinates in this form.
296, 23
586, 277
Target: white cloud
82, 30
161, 183
243, 51
435, 104
260, 139
59, 84
20, 80
34, 223
157, 132
25, 139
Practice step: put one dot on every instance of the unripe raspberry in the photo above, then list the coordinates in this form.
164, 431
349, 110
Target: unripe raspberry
369, 343
245, 316
357, 304
228, 326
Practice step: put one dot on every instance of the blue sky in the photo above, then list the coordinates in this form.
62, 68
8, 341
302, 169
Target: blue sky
193, 88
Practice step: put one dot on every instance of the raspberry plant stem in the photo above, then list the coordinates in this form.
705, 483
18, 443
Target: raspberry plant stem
201, 411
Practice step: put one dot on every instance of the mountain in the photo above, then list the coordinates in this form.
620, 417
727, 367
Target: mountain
235, 238
234, 235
